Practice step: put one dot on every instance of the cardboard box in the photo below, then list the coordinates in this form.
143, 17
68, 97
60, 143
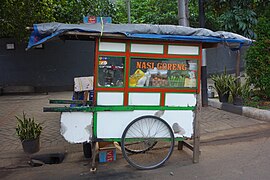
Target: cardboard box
83, 83
107, 154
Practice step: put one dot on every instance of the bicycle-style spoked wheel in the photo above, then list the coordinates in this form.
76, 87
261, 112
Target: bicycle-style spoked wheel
150, 140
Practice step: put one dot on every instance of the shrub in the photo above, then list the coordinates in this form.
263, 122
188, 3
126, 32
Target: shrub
258, 59
221, 82
27, 128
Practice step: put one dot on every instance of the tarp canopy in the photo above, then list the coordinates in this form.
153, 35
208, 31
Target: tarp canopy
46, 31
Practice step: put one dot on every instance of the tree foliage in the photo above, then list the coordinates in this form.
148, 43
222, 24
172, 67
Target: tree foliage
148, 11
258, 59
234, 16
72, 11
230, 15
16, 15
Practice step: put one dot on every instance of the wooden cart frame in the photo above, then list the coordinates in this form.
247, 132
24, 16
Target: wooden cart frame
153, 50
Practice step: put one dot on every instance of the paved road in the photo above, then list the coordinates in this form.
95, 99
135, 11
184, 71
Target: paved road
247, 160
213, 123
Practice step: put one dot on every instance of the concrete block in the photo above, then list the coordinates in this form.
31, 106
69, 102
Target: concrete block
18, 89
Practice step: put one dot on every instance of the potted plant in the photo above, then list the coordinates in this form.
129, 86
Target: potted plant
29, 133
221, 85
238, 91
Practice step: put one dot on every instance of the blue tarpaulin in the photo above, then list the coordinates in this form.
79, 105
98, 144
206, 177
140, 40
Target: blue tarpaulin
46, 31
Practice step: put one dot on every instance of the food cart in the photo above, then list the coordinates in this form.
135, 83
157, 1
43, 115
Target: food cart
146, 90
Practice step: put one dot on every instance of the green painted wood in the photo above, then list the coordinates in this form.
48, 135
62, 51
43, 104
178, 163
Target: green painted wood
112, 108
132, 108
55, 101
68, 109
95, 124
119, 139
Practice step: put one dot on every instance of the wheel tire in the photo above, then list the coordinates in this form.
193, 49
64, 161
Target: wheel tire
87, 150
138, 151
151, 139
142, 150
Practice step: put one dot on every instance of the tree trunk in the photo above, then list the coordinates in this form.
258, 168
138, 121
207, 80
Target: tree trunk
183, 12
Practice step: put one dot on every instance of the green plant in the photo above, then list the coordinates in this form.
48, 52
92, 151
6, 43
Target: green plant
221, 82
258, 59
237, 89
27, 128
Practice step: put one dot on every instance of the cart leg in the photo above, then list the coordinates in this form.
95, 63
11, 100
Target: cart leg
180, 145
94, 153
196, 126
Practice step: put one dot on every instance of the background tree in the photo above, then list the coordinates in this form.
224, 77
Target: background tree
234, 16
18, 14
230, 15
150, 11
72, 11
258, 59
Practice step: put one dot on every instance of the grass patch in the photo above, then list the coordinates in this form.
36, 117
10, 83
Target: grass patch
261, 104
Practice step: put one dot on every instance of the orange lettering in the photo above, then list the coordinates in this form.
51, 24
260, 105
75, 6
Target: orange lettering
150, 65
159, 66
184, 67
144, 65
164, 66
179, 66
169, 67
138, 65
174, 67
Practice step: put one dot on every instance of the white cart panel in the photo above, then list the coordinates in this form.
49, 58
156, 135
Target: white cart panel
76, 127
112, 46
110, 98
144, 99
183, 50
176, 99
113, 124
147, 48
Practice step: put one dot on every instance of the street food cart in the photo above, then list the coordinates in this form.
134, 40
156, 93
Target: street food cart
145, 90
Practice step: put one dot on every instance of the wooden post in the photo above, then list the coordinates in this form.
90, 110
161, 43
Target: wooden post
93, 159
180, 145
237, 72
196, 130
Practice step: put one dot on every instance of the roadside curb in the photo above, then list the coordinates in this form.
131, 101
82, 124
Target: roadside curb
234, 133
250, 112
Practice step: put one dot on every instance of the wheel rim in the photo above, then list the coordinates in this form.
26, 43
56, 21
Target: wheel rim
147, 142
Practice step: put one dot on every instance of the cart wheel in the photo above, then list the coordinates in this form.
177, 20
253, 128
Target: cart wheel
151, 141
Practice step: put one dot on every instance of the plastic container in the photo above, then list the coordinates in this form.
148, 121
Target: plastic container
107, 154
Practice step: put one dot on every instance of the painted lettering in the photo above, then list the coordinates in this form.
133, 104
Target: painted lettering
150, 65
138, 65
169, 67
161, 66
144, 65
184, 67
175, 67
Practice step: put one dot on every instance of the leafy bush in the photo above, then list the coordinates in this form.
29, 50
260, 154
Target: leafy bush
221, 82
27, 128
258, 59
238, 89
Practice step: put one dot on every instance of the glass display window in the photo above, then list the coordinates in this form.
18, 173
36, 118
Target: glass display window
168, 73
110, 71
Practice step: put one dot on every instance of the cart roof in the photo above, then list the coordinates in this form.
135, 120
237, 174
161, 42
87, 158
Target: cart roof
47, 31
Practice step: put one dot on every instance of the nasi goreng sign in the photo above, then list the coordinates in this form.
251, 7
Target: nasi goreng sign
179, 73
